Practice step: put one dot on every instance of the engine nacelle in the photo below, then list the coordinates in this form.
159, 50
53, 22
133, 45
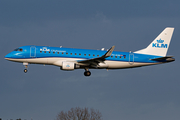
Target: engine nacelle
68, 66
102, 65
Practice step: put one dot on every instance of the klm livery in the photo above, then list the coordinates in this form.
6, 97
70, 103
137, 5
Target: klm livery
70, 58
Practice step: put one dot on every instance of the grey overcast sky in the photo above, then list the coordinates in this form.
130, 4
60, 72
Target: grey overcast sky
146, 93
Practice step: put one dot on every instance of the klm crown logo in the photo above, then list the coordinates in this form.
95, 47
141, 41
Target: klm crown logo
159, 44
160, 41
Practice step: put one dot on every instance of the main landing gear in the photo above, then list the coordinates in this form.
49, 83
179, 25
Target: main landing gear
26, 66
87, 72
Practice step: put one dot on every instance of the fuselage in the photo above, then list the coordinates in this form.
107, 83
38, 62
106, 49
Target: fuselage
57, 55
71, 58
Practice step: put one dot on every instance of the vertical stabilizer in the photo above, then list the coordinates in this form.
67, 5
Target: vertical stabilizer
160, 45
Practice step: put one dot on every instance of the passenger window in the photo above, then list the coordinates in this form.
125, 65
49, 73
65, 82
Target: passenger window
79, 53
49, 52
44, 51
75, 54
40, 51
89, 55
124, 56
57, 52
53, 52
71, 53
98, 55
116, 56
84, 54
66, 53
111, 56
93, 55
62, 53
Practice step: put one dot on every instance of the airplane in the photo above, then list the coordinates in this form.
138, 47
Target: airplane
72, 58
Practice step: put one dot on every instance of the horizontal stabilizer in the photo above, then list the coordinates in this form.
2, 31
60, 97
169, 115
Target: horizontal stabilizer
167, 58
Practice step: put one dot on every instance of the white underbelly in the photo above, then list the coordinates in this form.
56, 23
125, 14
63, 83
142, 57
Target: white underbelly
58, 62
120, 64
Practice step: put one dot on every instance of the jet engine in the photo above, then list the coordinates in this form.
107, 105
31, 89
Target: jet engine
69, 66
102, 65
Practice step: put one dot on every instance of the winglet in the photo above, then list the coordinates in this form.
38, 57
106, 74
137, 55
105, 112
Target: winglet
109, 52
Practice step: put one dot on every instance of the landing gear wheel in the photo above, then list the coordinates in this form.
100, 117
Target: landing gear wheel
25, 70
87, 73
26, 66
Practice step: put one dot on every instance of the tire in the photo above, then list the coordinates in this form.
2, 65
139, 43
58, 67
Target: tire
25, 70
87, 73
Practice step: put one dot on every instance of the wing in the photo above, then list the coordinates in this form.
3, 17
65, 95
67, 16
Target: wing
95, 61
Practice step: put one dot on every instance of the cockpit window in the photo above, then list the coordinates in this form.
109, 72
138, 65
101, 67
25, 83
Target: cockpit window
19, 49
16, 49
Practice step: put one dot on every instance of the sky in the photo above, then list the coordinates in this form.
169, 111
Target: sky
150, 92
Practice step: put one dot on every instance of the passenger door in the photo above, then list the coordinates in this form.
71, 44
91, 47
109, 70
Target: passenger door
131, 58
32, 51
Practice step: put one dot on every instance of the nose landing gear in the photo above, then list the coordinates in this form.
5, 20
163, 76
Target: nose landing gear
26, 66
25, 70
87, 72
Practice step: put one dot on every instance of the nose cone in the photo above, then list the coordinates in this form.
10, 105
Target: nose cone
8, 56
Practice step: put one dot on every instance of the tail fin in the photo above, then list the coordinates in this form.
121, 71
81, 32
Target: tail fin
160, 45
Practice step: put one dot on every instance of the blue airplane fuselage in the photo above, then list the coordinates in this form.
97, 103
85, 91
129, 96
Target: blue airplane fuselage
36, 52
72, 58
